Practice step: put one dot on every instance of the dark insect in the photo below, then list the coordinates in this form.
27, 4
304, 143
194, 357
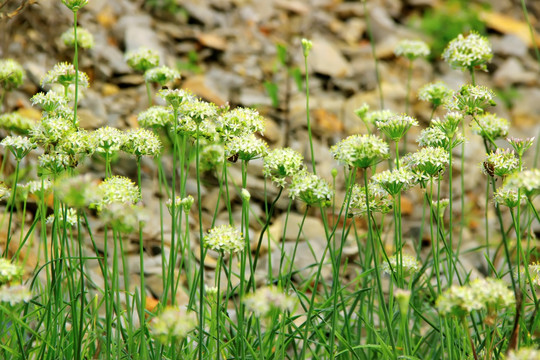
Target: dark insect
233, 158
490, 168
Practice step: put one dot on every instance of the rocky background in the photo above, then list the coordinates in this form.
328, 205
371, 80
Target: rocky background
236, 51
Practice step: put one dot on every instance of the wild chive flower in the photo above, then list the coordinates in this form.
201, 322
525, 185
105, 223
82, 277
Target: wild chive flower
71, 218
442, 204
436, 93
394, 181
508, 197
198, 110
490, 126
155, 116
520, 145
15, 294
184, 203
64, 74
435, 137
412, 49
409, 263
141, 142
430, 161
523, 354
310, 189
449, 124
378, 115
396, 126
361, 151
76, 144
108, 140
142, 59
15, 122
500, 163
19, 146
279, 164
471, 100
172, 325
245, 195
468, 52
51, 130
379, 202
211, 156
528, 181
490, 294
49, 101
116, 189
306, 46
85, 39
403, 298
224, 238
124, 218
362, 111
53, 163
534, 272
494, 293
458, 301
239, 122
161, 75
247, 147
175, 97
11, 74
75, 5
10, 272
268, 298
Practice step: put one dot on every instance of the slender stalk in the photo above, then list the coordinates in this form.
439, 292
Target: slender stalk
202, 252
76, 64
12, 208
372, 43
308, 115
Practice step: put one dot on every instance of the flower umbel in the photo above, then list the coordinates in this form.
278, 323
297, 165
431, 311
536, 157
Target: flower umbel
268, 298
436, 93
394, 181
360, 151
500, 163
490, 126
173, 324
279, 164
310, 188
85, 39
472, 100
412, 49
468, 52
142, 59
224, 238
11, 74
396, 126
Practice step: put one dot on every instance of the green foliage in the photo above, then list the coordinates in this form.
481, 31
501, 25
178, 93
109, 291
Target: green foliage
447, 21
191, 65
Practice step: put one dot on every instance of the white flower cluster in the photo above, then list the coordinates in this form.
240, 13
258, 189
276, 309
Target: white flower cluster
49, 101
240, 122
468, 52
224, 238
64, 74
472, 100
124, 218
427, 162
142, 59
173, 324
248, 147
185, 203
15, 294
16, 122
409, 265
396, 126
108, 140
412, 49
141, 142
395, 181
161, 75
269, 298
19, 146
279, 164
528, 181
490, 294
436, 93
310, 188
9, 272
379, 202
70, 220
490, 126
360, 151
500, 163
508, 196
116, 189
11, 74
155, 116
85, 39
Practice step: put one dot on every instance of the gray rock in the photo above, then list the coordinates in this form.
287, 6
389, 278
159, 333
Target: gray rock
326, 59
509, 45
382, 24
512, 72
138, 33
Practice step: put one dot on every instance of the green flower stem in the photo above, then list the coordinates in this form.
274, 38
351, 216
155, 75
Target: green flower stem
149, 93
251, 281
469, 338
372, 43
202, 252
76, 64
408, 100
4, 160
289, 273
12, 206
308, 115
462, 186
434, 239
142, 302
382, 304
450, 209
